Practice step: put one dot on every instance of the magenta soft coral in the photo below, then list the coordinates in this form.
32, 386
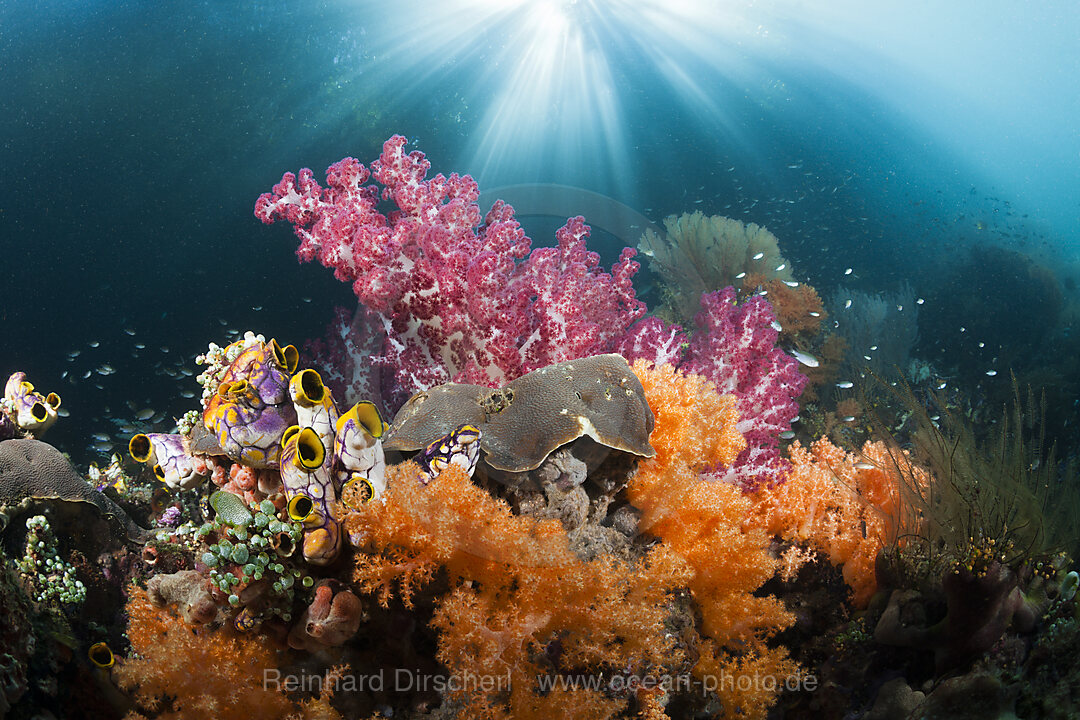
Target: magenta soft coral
460, 299
734, 347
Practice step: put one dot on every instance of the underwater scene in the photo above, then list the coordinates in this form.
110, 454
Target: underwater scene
540, 359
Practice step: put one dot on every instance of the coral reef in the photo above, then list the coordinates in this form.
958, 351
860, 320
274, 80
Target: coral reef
798, 307
581, 512
343, 356
189, 591
17, 639
247, 556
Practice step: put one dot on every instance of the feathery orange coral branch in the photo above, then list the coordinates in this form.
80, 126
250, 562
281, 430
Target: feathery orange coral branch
703, 523
848, 507
183, 671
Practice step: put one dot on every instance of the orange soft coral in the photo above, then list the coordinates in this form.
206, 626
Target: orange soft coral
703, 523
522, 607
180, 671
848, 507
695, 429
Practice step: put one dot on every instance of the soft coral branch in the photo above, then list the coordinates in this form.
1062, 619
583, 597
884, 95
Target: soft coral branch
180, 671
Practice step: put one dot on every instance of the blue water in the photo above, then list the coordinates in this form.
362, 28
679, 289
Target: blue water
883, 137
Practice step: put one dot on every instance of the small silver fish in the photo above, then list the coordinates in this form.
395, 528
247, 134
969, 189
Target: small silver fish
847, 304
780, 267
787, 434
846, 384
864, 466
848, 271
991, 373
759, 256
849, 418
805, 358
144, 414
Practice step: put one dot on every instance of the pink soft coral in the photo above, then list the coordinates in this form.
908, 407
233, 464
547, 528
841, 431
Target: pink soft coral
460, 299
